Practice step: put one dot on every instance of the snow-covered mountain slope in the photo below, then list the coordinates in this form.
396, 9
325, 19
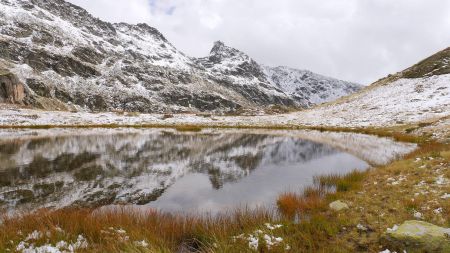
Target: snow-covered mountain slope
67, 59
308, 88
61, 52
418, 94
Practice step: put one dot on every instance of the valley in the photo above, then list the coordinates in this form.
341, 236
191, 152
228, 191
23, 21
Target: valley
113, 140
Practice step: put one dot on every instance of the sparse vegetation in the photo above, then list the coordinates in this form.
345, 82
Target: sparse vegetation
188, 129
307, 223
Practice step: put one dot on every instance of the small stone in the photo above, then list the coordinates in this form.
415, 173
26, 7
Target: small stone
361, 227
338, 206
445, 196
142, 243
418, 215
393, 229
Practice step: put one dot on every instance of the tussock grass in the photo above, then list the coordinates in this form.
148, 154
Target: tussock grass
291, 205
341, 183
164, 232
313, 199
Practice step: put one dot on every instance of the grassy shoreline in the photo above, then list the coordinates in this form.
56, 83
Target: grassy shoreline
398, 133
307, 224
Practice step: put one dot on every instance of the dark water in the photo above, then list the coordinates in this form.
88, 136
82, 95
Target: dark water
171, 171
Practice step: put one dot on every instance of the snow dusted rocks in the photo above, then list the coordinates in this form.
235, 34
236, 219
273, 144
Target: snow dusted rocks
308, 88
30, 244
264, 238
418, 236
63, 55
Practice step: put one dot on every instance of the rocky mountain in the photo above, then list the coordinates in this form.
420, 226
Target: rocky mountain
66, 59
308, 88
235, 69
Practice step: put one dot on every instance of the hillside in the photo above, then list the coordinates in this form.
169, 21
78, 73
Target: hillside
65, 59
420, 93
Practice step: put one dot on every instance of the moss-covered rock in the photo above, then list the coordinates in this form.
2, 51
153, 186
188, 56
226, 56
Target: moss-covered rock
418, 236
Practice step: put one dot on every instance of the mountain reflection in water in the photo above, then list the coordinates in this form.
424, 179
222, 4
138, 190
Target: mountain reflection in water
168, 170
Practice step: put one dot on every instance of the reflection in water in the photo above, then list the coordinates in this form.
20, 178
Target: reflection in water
168, 170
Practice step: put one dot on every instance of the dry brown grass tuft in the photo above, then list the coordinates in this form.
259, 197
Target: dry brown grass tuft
164, 232
288, 204
312, 200
188, 129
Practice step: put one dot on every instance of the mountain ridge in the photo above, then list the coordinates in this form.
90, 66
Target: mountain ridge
67, 59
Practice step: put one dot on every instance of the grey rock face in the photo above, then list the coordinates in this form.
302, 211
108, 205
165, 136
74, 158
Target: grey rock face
64, 55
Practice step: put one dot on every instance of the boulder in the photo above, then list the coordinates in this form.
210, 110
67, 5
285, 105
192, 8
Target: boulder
338, 206
11, 89
418, 236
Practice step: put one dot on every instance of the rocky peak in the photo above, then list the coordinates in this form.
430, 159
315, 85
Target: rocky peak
221, 52
217, 47
235, 69
141, 28
78, 16
230, 61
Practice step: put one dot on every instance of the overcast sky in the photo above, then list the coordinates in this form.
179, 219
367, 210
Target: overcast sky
355, 40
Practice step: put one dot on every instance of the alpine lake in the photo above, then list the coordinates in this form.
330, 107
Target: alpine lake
212, 170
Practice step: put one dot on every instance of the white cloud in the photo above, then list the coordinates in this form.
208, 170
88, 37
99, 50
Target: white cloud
357, 40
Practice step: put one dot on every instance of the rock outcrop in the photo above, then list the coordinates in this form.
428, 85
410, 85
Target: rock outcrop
11, 89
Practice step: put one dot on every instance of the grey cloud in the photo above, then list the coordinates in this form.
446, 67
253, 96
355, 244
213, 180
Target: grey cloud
355, 40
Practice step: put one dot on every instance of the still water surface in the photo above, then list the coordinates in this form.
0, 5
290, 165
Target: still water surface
168, 170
